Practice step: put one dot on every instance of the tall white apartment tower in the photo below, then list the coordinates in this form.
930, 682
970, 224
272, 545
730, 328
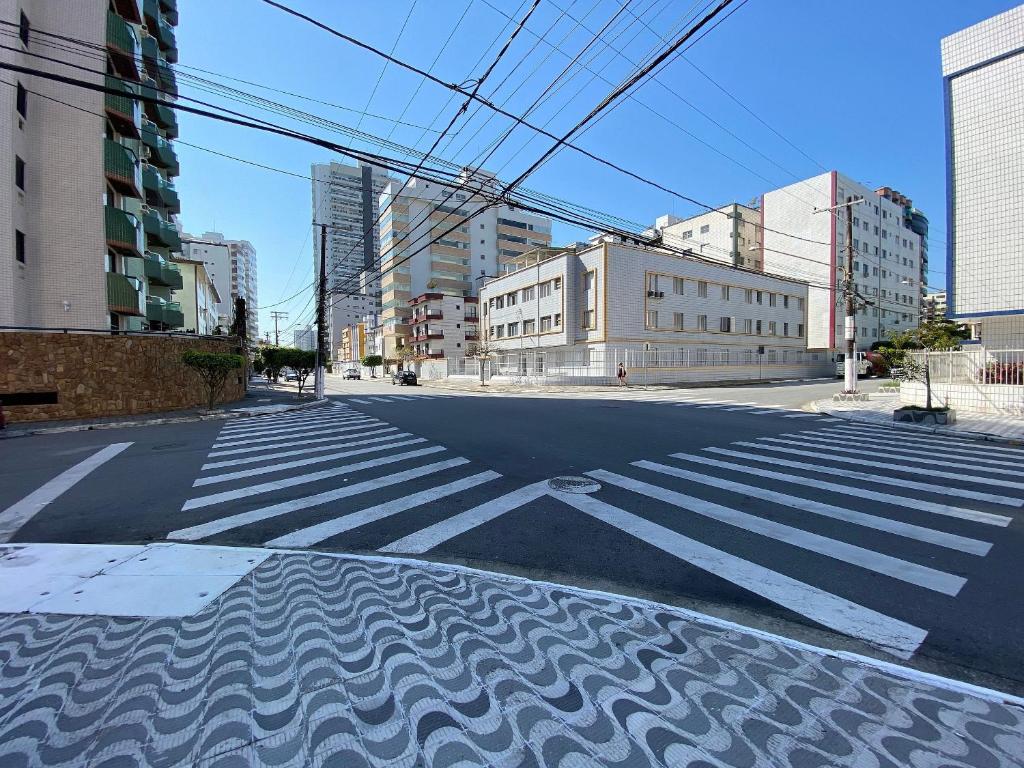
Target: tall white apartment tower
455, 264
983, 81
345, 198
800, 239
232, 267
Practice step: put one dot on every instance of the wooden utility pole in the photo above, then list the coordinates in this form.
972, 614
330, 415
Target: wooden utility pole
278, 316
850, 294
321, 317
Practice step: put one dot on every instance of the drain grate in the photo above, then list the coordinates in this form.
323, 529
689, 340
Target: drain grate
574, 484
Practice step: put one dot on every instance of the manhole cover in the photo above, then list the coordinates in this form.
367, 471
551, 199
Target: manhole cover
574, 484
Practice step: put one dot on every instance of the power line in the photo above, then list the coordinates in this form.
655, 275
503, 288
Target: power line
384, 68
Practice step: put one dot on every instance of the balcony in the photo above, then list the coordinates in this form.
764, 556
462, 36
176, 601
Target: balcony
159, 271
129, 9
161, 233
163, 315
161, 115
123, 110
124, 235
170, 10
123, 296
161, 153
168, 42
428, 335
123, 46
159, 191
121, 168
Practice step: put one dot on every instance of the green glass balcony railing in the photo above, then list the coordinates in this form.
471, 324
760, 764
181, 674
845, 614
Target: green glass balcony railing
130, 10
123, 46
170, 9
159, 271
160, 233
159, 191
121, 168
122, 295
123, 232
161, 153
165, 315
123, 110
163, 116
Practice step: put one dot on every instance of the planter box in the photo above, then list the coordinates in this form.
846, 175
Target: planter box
848, 397
927, 418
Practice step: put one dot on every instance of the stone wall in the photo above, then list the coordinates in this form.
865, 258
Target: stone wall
96, 374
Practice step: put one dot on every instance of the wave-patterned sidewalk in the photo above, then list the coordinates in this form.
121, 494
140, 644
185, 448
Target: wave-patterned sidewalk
317, 660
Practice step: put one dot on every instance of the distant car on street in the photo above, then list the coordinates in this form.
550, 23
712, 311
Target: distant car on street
290, 375
404, 378
352, 373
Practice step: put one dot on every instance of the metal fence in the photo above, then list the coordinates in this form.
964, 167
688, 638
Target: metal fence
978, 380
657, 366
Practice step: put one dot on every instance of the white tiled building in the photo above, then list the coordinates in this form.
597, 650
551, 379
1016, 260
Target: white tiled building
729, 234
614, 300
232, 266
983, 80
890, 261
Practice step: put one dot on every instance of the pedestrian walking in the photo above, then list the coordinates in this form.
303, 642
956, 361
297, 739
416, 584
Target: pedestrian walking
620, 374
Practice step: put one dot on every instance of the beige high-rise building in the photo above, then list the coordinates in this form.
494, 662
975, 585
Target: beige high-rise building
87, 221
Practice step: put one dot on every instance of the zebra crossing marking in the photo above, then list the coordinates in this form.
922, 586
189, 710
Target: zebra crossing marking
334, 437
823, 607
357, 400
839, 438
330, 430
330, 446
912, 573
291, 427
968, 446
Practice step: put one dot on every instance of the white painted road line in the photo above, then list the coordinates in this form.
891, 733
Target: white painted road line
308, 502
816, 604
876, 479
19, 513
338, 420
912, 573
907, 438
328, 430
718, 404
432, 536
316, 533
897, 527
801, 415
333, 444
281, 467
363, 402
963, 513
303, 441
271, 421
288, 482
892, 466
825, 435
742, 407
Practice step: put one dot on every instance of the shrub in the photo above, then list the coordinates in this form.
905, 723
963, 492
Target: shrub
1003, 373
213, 368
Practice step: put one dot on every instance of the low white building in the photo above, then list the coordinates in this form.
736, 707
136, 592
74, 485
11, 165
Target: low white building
586, 310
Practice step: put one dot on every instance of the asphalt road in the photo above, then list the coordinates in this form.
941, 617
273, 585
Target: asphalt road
726, 500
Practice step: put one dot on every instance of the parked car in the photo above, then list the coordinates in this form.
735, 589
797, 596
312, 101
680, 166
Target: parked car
404, 377
864, 367
291, 375
352, 373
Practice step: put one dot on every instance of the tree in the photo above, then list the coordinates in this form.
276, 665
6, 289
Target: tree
372, 361
405, 355
482, 351
942, 334
213, 368
274, 359
259, 365
302, 361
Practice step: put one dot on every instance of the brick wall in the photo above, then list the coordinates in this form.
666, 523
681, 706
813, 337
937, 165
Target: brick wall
99, 375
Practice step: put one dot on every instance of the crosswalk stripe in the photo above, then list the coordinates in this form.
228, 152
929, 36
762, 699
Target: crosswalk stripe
829, 419
286, 419
305, 451
974, 464
431, 536
316, 533
897, 527
892, 466
281, 467
816, 604
381, 399
334, 437
954, 453
292, 505
363, 423
904, 437
363, 402
405, 397
912, 573
800, 415
312, 477
742, 407
288, 428
719, 404
881, 479
268, 418
922, 505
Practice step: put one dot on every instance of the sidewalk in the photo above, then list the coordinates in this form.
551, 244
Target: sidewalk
318, 660
878, 411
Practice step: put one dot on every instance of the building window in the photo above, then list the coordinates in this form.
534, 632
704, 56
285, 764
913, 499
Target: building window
528, 293
529, 327
702, 289
725, 325
511, 299
652, 283
772, 299
725, 293
558, 320
760, 297
652, 318
749, 296
678, 285
513, 329
588, 281
545, 324
677, 320
785, 301
500, 331
748, 327
588, 319
800, 330
19, 173
771, 327
785, 329
19, 245
22, 101
558, 283
757, 327
800, 306
23, 27
687, 234
702, 322
705, 228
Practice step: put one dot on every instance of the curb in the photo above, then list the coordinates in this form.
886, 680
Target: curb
987, 437
219, 415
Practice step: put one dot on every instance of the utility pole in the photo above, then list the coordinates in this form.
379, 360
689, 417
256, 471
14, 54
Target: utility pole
321, 319
850, 324
278, 316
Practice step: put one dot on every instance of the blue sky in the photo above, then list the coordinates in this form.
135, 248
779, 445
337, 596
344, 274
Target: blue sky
854, 86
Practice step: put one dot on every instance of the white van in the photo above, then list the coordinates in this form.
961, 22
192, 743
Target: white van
863, 364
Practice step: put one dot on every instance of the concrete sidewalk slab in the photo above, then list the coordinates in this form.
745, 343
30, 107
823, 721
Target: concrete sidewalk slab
361, 661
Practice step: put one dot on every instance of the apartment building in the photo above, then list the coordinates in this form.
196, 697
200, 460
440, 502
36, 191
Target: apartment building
443, 326
87, 222
198, 297
456, 264
304, 338
730, 234
801, 239
983, 82
352, 348
232, 266
626, 297
345, 198
933, 307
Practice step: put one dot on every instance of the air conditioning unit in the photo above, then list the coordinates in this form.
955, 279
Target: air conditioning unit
656, 294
